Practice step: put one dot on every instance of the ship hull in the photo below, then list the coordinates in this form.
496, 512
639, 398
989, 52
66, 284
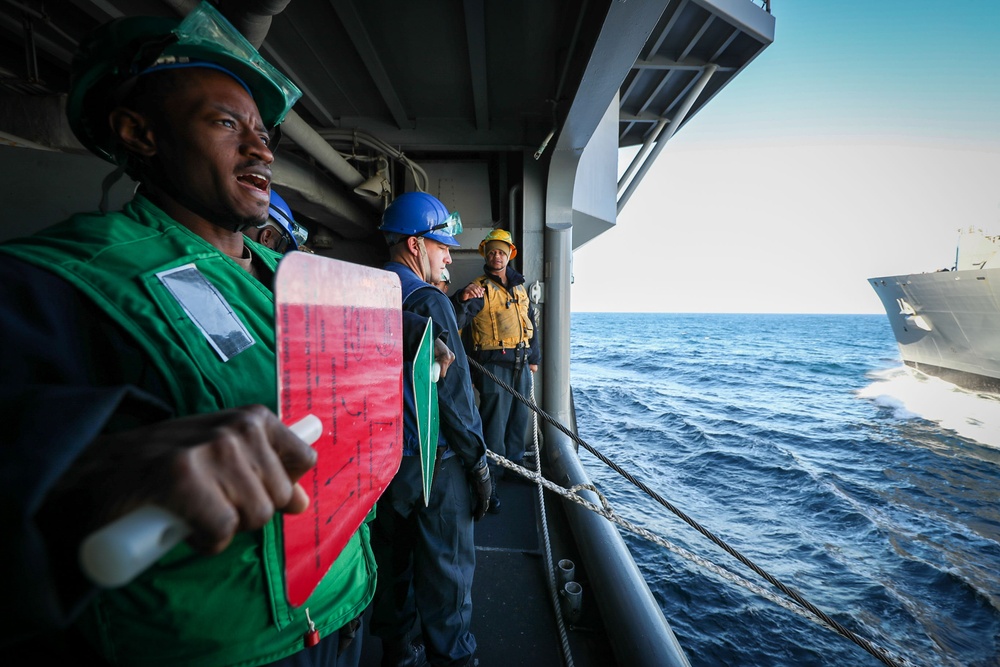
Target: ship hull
947, 324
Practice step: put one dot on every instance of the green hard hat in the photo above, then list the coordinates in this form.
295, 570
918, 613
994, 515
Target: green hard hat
113, 56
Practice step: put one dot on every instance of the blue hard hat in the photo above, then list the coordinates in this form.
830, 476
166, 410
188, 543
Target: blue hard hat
281, 214
421, 214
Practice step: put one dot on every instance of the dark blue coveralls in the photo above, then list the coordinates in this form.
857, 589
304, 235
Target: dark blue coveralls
426, 555
465, 311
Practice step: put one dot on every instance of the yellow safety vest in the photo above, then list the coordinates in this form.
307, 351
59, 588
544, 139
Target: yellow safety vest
503, 323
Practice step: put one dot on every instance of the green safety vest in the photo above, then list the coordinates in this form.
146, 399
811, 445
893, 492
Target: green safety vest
228, 609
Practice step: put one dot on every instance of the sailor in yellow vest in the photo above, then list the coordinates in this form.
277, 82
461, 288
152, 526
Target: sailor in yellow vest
502, 337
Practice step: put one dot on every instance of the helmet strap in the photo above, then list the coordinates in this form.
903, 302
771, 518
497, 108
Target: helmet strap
275, 137
108, 183
423, 260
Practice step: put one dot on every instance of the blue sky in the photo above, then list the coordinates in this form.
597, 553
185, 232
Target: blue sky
854, 146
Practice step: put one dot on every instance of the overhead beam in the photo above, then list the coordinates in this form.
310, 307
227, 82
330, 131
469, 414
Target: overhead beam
751, 18
475, 32
661, 62
725, 45
41, 41
664, 79
355, 27
697, 36
309, 99
663, 134
647, 117
662, 36
100, 10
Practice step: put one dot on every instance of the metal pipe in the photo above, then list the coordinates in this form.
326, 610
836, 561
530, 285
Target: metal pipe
637, 160
558, 279
511, 206
309, 140
699, 86
639, 633
358, 137
321, 199
252, 17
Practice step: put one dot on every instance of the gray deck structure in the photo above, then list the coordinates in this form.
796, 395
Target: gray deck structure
512, 113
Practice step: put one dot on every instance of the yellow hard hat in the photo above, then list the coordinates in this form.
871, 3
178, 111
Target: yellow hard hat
498, 235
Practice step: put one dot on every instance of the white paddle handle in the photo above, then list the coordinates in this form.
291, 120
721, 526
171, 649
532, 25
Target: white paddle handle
435, 372
114, 555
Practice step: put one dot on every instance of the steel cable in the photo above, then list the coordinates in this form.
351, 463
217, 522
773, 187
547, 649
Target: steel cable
878, 652
604, 509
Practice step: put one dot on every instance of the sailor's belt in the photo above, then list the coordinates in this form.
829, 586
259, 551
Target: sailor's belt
492, 348
441, 451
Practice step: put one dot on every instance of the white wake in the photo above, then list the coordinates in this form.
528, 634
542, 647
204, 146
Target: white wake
911, 394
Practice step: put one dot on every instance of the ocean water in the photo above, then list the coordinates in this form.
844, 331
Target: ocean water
805, 444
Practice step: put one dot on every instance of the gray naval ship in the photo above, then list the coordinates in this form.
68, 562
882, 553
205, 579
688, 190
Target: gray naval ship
947, 322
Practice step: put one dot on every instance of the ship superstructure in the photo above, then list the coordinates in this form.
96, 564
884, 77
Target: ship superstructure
512, 113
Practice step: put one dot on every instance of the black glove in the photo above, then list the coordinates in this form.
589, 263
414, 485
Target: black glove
482, 489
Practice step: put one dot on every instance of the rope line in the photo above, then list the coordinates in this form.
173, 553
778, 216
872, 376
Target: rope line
550, 579
572, 494
877, 651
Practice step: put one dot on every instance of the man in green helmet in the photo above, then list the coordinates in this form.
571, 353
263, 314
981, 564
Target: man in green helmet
140, 369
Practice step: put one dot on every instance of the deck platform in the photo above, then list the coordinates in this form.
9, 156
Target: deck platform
514, 621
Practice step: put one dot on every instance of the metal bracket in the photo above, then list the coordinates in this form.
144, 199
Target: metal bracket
536, 292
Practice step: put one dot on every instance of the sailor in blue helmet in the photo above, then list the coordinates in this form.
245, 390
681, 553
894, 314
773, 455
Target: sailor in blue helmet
426, 554
139, 368
443, 282
280, 232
